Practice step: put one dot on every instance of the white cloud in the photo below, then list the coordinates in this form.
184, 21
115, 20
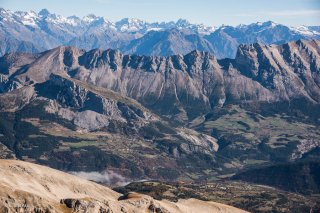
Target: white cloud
107, 177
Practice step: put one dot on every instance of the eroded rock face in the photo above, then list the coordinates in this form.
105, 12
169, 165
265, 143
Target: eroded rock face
6, 153
85, 108
187, 85
289, 71
91, 120
83, 205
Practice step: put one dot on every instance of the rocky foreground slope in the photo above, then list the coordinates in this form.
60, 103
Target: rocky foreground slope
26, 187
248, 196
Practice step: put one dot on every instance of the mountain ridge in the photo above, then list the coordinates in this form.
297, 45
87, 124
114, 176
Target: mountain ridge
43, 31
256, 70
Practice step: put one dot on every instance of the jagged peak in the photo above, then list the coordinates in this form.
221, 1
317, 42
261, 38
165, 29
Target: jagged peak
299, 42
2, 10
130, 21
183, 22
90, 18
115, 52
263, 24
98, 51
253, 46
196, 53
247, 52
44, 13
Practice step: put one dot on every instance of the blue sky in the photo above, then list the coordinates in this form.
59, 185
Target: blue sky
209, 12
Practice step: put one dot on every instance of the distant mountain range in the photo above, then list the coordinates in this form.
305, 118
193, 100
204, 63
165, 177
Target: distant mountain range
35, 32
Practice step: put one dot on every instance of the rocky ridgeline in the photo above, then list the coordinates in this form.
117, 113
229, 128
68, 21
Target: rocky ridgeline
184, 85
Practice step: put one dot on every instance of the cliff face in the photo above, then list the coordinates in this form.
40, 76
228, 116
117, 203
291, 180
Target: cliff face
182, 84
290, 70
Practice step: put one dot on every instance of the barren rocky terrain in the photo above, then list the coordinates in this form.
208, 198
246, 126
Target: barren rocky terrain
26, 187
248, 196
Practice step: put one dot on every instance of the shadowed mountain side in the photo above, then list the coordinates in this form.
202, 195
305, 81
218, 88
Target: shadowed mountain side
296, 177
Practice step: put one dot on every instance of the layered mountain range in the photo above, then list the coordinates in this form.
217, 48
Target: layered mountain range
35, 32
198, 108
186, 117
185, 85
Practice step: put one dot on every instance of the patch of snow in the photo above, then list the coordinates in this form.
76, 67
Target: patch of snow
29, 22
90, 18
30, 19
154, 29
273, 25
304, 30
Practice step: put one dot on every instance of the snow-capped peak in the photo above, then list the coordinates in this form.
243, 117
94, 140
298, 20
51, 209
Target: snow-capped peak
305, 30
270, 24
182, 23
6, 15
131, 25
28, 18
90, 18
